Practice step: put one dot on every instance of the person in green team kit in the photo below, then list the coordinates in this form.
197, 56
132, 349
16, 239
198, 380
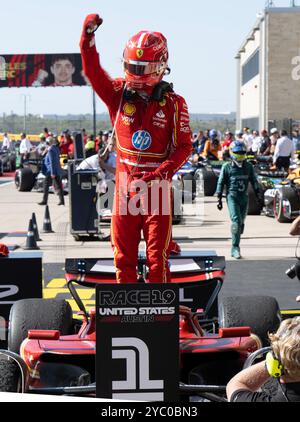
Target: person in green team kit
235, 177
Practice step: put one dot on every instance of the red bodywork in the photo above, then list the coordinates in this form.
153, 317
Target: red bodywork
193, 340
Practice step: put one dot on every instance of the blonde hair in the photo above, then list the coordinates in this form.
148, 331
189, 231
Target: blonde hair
286, 346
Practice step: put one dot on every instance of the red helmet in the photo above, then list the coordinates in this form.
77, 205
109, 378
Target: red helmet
145, 60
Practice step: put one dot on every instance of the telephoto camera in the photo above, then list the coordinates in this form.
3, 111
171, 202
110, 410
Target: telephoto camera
294, 271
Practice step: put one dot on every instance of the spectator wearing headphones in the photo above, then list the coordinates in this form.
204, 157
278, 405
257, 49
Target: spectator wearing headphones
282, 363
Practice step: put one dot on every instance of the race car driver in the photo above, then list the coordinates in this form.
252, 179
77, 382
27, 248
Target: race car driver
153, 136
235, 177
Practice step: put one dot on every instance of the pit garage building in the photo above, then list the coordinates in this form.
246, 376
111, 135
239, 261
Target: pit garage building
268, 69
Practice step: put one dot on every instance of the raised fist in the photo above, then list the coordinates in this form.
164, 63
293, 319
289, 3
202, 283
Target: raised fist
92, 23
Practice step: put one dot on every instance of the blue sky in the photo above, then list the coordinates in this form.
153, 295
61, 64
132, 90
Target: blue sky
203, 37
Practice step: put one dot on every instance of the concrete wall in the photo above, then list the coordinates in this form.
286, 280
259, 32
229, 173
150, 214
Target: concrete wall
283, 93
250, 92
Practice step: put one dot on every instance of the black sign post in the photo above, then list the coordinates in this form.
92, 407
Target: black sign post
21, 278
138, 342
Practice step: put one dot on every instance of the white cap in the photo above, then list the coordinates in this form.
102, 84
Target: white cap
239, 133
274, 130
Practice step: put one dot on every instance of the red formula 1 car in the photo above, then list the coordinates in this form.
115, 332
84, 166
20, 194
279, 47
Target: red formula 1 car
56, 353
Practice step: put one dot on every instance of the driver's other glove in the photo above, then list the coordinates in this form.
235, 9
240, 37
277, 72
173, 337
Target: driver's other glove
220, 202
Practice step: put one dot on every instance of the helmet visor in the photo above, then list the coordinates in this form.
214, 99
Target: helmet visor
239, 157
143, 68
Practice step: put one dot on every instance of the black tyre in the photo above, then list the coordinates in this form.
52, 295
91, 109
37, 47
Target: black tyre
255, 206
13, 165
210, 181
24, 180
10, 376
260, 313
37, 314
287, 194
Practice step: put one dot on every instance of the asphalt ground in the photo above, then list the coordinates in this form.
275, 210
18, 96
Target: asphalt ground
267, 249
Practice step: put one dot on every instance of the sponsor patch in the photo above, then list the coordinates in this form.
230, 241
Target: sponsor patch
127, 120
160, 125
185, 129
185, 115
129, 109
141, 140
182, 124
160, 117
185, 119
163, 102
158, 47
139, 53
161, 114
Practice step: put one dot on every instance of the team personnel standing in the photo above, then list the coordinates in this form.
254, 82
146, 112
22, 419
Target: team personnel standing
90, 146
247, 137
229, 138
284, 151
199, 142
240, 137
25, 147
274, 138
66, 144
153, 141
256, 143
52, 172
235, 177
6, 142
265, 148
42, 146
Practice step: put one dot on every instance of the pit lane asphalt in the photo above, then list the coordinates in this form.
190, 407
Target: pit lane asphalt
267, 248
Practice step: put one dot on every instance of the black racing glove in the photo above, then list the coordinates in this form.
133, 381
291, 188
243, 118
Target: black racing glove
220, 202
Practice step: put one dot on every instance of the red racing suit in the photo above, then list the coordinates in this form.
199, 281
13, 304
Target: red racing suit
150, 135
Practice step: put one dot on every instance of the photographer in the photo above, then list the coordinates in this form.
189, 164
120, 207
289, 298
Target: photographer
282, 363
